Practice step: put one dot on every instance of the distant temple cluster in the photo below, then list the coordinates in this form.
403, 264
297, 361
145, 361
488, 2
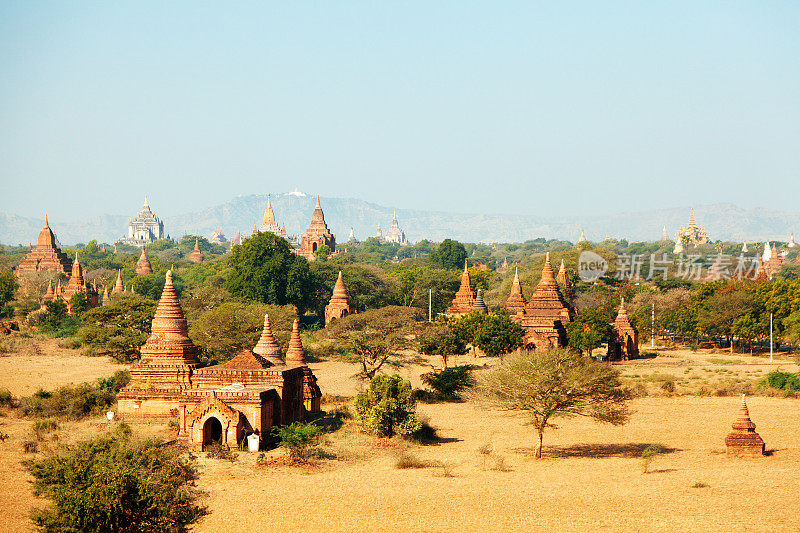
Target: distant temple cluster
47, 256
544, 317
224, 403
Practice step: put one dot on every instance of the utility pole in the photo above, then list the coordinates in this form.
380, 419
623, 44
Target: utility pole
770, 337
430, 305
653, 325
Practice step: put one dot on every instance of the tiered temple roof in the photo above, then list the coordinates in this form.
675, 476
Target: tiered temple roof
462, 303
546, 313
394, 233
516, 302
144, 228
76, 282
563, 279
692, 234
267, 346
269, 223
119, 288
296, 356
316, 235
744, 440
624, 339
196, 256
46, 255
143, 267
479, 305
339, 305
169, 351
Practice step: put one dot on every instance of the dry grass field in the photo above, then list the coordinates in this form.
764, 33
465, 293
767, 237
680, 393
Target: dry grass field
590, 479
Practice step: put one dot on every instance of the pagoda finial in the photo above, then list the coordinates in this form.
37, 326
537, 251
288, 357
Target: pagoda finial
46, 223
295, 354
145, 201
466, 270
318, 204
516, 275
197, 244
267, 346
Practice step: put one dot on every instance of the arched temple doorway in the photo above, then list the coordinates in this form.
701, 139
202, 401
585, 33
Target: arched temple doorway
212, 432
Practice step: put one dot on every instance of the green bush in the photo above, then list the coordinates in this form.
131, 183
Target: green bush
7, 399
785, 381
114, 484
299, 439
448, 383
388, 408
71, 401
116, 382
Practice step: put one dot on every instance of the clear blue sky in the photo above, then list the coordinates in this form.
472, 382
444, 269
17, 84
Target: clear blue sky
527, 107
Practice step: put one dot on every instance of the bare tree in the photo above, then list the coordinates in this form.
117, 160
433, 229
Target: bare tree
554, 384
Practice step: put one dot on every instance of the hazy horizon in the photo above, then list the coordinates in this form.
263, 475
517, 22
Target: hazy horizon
528, 109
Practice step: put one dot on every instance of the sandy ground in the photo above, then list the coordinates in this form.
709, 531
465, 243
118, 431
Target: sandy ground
52, 367
591, 477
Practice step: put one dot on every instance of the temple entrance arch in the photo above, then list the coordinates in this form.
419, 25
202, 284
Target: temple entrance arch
314, 247
212, 432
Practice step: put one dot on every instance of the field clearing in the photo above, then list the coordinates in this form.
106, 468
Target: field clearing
590, 478
48, 366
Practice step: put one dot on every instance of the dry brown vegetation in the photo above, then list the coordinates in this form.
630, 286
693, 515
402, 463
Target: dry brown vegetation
480, 475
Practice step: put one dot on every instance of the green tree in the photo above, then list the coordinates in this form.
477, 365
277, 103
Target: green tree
466, 327
8, 285
78, 304
264, 269
113, 484
589, 330
322, 253
498, 334
449, 254
554, 384
119, 329
388, 408
230, 327
376, 337
719, 312
440, 339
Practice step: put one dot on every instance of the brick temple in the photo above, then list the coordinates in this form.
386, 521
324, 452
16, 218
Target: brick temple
339, 305
316, 235
624, 342
462, 303
46, 256
545, 316
222, 404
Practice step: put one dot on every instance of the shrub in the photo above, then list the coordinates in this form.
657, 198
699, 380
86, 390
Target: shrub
388, 407
649, 454
220, 451
72, 401
6, 399
448, 383
42, 427
785, 381
299, 439
30, 446
425, 434
406, 460
116, 382
113, 484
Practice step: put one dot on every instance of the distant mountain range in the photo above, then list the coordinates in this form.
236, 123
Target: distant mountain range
722, 221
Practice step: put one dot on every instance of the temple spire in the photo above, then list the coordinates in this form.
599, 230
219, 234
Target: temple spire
169, 322
267, 346
295, 354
